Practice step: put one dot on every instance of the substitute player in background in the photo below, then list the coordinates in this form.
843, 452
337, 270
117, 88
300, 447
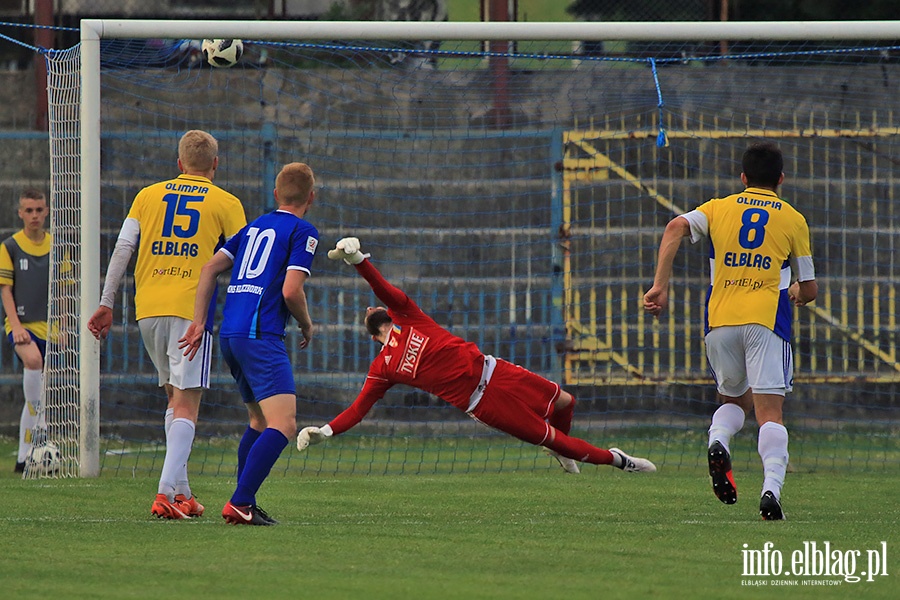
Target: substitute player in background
418, 352
272, 255
756, 241
24, 284
176, 226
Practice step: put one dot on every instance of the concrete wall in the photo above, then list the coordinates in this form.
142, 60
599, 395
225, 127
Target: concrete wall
324, 114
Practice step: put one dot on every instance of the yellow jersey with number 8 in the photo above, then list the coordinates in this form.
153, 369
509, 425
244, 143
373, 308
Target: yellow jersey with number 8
755, 236
183, 222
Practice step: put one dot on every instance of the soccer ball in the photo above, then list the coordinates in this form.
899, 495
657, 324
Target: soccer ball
222, 53
45, 459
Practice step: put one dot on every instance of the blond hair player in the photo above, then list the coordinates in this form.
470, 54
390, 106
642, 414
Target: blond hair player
176, 226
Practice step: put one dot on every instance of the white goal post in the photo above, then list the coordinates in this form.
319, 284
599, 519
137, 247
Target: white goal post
95, 30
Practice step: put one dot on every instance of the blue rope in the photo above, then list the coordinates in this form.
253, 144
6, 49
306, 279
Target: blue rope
38, 49
662, 140
33, 26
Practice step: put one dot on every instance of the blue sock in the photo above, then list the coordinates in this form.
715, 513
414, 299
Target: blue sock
260, 460
247, 441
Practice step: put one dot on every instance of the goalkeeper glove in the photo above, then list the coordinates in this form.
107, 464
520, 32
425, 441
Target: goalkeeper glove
312, 436
348, 249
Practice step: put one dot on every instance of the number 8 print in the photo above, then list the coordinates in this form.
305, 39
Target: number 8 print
756, 228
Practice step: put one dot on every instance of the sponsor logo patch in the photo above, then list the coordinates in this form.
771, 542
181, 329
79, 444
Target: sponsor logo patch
412, 353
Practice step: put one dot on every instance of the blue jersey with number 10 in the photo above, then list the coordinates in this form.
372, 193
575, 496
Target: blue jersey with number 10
263, 252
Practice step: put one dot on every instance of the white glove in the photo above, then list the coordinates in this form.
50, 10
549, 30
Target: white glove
312, 436
348, 249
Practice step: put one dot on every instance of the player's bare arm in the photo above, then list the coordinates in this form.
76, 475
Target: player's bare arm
295, 299
193, 337
20, 335
656, 300
100, 322
802, 293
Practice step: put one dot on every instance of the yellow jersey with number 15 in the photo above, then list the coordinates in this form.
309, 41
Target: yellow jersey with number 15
183, 222
755, 236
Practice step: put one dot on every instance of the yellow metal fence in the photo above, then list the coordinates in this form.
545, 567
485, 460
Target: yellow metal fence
619, 188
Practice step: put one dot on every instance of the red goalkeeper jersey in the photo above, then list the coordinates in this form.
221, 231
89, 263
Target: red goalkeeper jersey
419, 353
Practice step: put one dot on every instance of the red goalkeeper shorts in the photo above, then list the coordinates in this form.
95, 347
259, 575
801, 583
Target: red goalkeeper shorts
518, 402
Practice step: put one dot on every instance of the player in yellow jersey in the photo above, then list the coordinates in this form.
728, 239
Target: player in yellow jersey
24, 282
757, 240
176, 227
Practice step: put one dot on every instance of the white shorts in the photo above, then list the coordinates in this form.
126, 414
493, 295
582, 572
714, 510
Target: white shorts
746, 357
161, 335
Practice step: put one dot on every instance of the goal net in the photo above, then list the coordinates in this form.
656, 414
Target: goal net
517, 190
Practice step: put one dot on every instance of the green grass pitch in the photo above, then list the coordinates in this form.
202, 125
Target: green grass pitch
517, 535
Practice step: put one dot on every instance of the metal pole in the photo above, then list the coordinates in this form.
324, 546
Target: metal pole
89, 373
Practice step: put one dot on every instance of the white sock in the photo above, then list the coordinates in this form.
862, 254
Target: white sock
26, 423
32, 381
181, 484
773, 450
726, 421
178, 449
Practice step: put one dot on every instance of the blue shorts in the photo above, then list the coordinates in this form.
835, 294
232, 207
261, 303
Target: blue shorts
41, 344
261, 368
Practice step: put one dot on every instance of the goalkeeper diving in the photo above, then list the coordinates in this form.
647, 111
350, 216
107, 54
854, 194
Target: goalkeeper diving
418, 352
